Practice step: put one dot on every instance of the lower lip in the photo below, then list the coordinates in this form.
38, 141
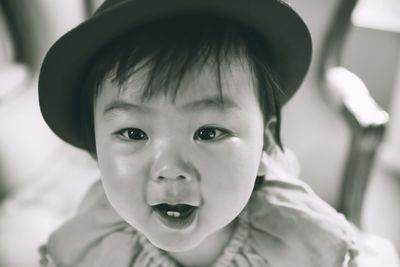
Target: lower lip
177, 223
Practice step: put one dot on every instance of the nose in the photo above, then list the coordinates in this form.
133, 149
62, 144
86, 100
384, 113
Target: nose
170, 165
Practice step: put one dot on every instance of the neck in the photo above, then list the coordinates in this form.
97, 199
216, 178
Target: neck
208, 251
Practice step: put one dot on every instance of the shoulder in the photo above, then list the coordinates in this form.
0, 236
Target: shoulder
290, 225
373, 251
96, 233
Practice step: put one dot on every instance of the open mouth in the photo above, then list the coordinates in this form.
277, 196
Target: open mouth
177, 216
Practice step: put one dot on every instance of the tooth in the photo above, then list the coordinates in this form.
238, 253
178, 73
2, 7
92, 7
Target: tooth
171, 213
177, 213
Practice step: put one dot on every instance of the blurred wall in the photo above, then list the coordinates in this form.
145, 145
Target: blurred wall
41, 178
48, 19
26, 144
317, 134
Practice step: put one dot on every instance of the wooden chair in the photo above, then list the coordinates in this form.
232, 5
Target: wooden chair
347, 94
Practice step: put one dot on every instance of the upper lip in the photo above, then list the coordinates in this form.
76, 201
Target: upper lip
173, 195
175, 202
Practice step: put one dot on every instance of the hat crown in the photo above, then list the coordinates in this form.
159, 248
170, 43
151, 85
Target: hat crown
109, 4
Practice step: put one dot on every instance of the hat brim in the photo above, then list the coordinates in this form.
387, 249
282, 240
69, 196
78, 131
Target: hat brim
63, 70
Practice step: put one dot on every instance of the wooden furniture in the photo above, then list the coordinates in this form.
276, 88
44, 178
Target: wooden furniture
347, 94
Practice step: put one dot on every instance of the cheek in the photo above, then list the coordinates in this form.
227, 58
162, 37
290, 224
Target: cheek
229, 175
124, 183
121, 177
232, 171
238, 160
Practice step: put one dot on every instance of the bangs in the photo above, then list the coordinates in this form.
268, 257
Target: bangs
169, 49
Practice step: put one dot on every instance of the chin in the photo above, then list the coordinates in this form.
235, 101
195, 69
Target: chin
174, 244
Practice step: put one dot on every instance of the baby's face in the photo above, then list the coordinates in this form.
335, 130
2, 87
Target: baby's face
180, 171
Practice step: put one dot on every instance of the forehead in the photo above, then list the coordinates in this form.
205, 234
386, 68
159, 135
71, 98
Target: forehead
227, 80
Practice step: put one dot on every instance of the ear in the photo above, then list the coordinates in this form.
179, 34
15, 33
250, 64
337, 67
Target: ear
93, 155
269, 146
269, 135
262, 168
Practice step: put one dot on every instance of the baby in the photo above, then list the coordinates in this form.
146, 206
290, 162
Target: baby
179, 103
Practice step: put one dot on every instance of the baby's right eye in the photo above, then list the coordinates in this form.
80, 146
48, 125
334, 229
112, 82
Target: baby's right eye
133, 134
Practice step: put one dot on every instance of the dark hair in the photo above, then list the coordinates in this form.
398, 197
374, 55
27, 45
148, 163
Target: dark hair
170, 48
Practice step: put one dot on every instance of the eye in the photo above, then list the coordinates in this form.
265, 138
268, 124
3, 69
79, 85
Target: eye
134, 134
210, 134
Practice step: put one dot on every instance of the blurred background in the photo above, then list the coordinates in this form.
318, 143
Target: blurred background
42, 179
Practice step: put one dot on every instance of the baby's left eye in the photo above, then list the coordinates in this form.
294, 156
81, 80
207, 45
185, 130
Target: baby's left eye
209, 134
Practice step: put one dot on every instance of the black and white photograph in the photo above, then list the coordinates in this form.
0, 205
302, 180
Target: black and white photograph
199, 133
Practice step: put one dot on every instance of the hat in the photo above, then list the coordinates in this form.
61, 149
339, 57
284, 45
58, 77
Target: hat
63, 69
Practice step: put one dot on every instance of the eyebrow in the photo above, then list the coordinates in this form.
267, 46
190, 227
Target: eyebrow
125, 106
213, 102
208, 103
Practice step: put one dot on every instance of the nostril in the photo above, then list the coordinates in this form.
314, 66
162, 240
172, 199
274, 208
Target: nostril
171, 165
179, 177
160, 178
